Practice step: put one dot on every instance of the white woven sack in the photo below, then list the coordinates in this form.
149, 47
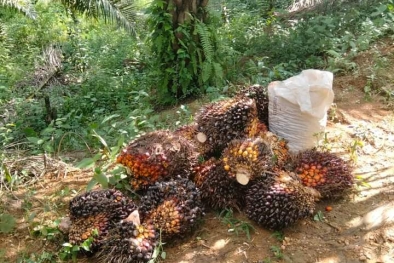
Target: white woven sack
298, 107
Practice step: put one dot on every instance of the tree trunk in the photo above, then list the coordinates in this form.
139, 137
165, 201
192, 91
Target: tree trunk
185, 14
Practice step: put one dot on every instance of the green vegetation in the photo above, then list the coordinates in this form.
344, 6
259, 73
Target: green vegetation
66, 78
234, 224
71, 81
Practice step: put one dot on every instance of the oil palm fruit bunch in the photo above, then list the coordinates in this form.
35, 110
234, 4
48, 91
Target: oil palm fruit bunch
247, 159
95, 227
260, 95
157, 156
326, 172
218, 190
94, 202
220, 122
92, 215
174, 206
128, 242
281, 202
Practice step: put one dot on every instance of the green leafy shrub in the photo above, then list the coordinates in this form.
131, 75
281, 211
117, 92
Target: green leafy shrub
185, 62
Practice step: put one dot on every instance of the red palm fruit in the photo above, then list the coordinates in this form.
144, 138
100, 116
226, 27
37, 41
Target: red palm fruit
157, 156
326, 172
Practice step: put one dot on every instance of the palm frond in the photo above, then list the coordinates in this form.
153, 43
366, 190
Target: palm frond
120, 11
24, 6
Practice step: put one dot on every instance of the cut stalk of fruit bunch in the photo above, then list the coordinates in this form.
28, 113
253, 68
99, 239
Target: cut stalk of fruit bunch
248, 159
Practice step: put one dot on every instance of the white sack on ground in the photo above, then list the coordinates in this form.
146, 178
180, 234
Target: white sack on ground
298, 107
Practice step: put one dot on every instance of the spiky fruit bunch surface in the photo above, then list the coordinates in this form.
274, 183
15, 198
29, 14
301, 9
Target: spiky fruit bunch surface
188, 131
326, 172
128, 242
93, 226
220, 122
218, 189
260, 95
257, 129
169, 217
109, 201
156, 156
279, 148
174, 207
247, 159
279, 203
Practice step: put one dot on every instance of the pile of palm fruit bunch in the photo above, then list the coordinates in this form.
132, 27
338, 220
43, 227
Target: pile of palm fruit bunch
227, 158
122, 230
157, 156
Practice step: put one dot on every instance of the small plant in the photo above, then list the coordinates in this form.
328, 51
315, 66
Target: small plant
184, 115
278, 235
319, 216
368, 89
48, 232
277, 252
7, 223
102, 163
361, 182
234, 224
44, 257
322, 141
354, 146
158, 252
70, 252
2, 255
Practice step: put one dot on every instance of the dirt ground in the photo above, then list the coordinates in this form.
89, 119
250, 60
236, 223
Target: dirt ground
360, 228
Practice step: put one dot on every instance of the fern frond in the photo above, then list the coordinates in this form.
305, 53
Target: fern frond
204, 34
206, 71
218, 70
